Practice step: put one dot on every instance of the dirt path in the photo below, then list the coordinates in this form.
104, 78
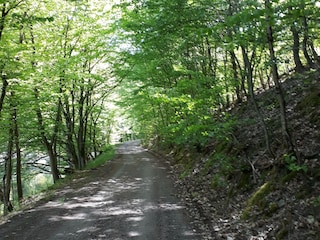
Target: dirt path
132, 197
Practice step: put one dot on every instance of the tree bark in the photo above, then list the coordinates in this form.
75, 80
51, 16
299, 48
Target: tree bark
70, 144
81, 132
48, 145
296, 42
305, 43
237, 82
275, 75
7, 178
3, 92
18, 152
249, 73
4, 13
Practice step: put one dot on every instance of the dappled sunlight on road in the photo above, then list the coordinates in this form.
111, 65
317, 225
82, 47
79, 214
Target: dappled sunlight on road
135, 202
105, 202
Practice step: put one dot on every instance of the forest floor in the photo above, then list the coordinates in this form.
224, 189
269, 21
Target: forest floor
239, 190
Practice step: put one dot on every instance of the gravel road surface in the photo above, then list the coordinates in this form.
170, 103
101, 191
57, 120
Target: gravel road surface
131, 197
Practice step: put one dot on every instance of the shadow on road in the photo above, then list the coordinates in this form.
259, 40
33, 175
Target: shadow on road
133, 201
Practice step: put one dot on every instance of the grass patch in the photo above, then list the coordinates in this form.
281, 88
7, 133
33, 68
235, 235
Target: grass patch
107, 155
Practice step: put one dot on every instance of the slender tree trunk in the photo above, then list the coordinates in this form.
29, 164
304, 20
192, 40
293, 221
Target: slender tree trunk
70, 142
296, 43
284, 124
249, 73
296, 50
211, 64
7, 178
236, 76
4, 13
54, 136
48, 145
239, 83
18, 153
81, 134
18, 169
226, 82
93, 135
3, 91
53, 162
305, 43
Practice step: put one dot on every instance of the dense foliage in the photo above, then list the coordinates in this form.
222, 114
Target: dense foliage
190, 61
55, 83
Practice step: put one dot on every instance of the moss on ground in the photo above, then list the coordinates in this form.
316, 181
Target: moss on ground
258, 199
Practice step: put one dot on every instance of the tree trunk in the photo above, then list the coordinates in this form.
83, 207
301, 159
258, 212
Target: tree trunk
226, 82
237, 82
4, 13
236, 79
53, 162
3, 91
296, 42
7, 178
212, 62
81, 139
249, 74
284, 125
48, 145
82, 129
305, 43
70, 145
18, 153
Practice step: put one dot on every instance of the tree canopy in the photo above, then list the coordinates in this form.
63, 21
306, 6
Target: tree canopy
56, 79
189, 61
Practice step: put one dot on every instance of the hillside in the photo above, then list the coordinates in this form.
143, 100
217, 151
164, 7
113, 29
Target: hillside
239, 190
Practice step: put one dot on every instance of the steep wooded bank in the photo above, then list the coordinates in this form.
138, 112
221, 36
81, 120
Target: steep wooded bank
239, 190
230, 88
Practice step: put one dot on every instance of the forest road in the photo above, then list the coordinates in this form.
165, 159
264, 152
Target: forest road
131, 197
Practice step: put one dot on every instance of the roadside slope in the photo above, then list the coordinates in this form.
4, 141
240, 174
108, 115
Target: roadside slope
243, 192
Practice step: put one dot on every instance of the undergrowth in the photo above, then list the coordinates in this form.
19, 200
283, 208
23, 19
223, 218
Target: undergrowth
105, 156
